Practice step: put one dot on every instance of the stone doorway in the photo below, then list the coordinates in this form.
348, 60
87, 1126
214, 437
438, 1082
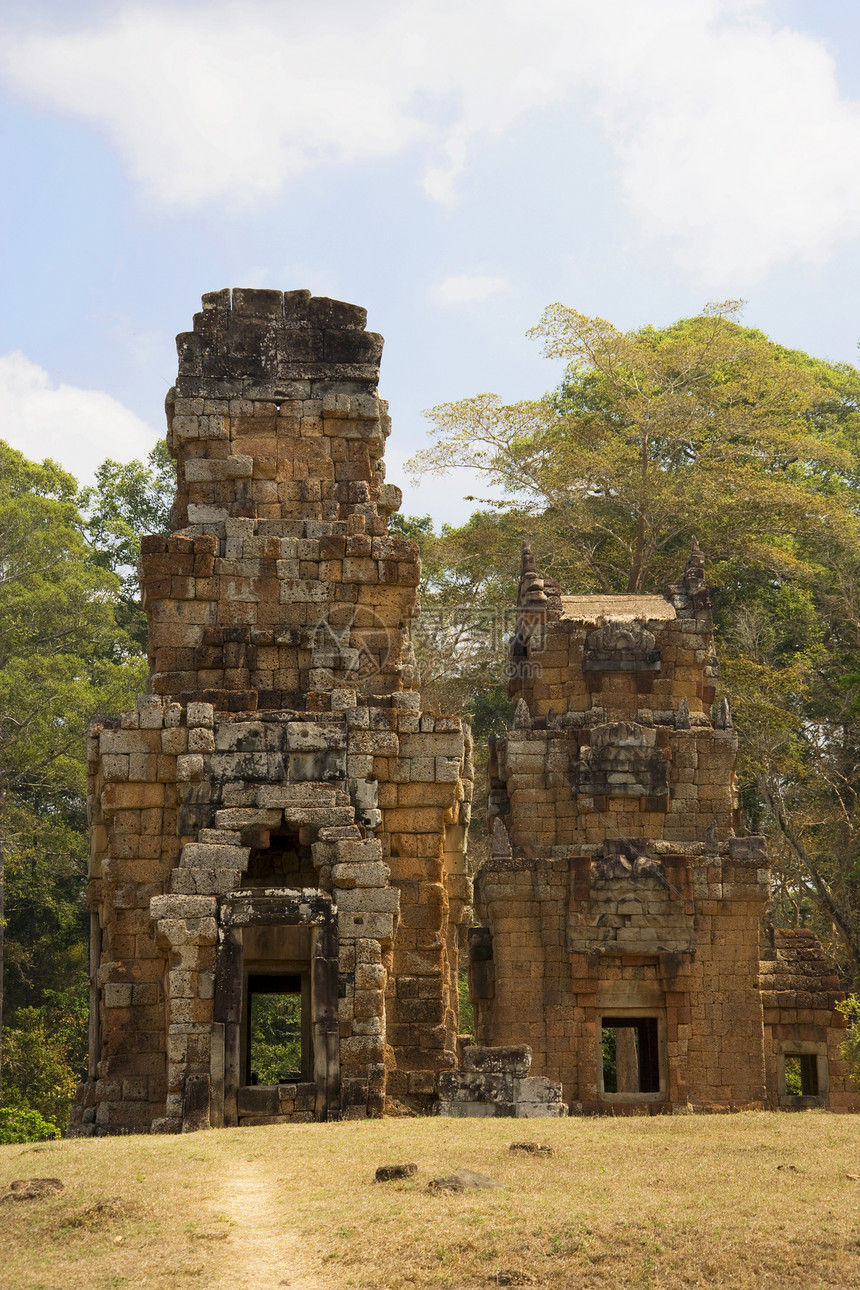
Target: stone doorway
631, 1058
276, 998
278, 1039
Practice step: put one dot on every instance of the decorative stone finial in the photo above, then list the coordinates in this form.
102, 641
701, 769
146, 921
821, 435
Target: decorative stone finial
682, 716
723, 716
522, 716
501, 843
694, 578
532, 590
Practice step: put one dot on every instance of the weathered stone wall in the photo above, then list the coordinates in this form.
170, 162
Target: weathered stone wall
617, 888
553, 980
799, 994
280, 775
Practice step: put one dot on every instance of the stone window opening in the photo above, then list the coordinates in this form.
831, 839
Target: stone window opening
630, 1056
803, 1078
286, 861
801, 1075
278, 1047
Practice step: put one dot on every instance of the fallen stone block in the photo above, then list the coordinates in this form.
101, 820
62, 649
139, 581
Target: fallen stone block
460, 1179
513, 1060
390, 1173
476, 1110
539, 1110
537, 1088
531, 1149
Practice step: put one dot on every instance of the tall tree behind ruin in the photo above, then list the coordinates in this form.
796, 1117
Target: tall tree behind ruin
62, 658
707, 429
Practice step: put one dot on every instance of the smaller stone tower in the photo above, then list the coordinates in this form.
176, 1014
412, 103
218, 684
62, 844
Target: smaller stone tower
621, 934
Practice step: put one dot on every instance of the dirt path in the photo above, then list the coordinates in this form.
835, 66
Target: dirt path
261, 1252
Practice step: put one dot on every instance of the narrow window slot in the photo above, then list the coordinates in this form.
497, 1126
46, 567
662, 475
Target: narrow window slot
801, 1074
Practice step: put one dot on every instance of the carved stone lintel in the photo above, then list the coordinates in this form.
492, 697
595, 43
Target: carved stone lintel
621, 647
632, 868
620, 636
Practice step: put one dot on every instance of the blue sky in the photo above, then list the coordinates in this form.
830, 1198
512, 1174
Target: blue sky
454, 167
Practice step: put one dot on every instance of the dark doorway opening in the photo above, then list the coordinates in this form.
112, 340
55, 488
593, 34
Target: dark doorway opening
277, 1036
631, 1055
286, 862
801, 1074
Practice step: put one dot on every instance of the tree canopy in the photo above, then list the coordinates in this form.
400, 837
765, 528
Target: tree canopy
711, 430
704, 427
69, 649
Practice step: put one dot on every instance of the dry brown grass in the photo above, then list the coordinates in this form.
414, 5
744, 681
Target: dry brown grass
658, 1203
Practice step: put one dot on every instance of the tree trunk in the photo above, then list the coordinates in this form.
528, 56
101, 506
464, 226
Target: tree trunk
634, 582
626, 1060
846, 931
2, 935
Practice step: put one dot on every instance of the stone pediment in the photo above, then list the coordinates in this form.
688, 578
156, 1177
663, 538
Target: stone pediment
621, 646
631, 869
622, 761
632, 909
620, 636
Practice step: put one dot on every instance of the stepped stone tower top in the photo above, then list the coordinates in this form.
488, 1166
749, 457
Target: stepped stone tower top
280, 521
280, 337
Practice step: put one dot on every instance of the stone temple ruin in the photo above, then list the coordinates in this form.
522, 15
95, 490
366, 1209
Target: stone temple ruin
622, 930
278, 816
279, 826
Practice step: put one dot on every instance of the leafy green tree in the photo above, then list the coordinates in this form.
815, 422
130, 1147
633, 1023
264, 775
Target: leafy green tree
276, 1037
460, 637
703, 428
784, 666
128, 500
62, 660
850, 1047
41, 1061
22, 1124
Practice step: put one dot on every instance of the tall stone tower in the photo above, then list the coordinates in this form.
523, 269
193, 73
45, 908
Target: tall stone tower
277, 829
622, 933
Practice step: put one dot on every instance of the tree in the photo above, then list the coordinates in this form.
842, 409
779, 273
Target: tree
42, 1060
128, 500
784, 667
849, 1049
703, 428
466, 599
62, 660
710, 429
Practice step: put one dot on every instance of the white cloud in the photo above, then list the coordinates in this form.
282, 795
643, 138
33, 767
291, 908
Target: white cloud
468, 290
730, 136
77, 428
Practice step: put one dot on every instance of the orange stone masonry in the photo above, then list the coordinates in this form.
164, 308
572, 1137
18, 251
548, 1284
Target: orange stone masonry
280, 819
619, 907
278, 813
